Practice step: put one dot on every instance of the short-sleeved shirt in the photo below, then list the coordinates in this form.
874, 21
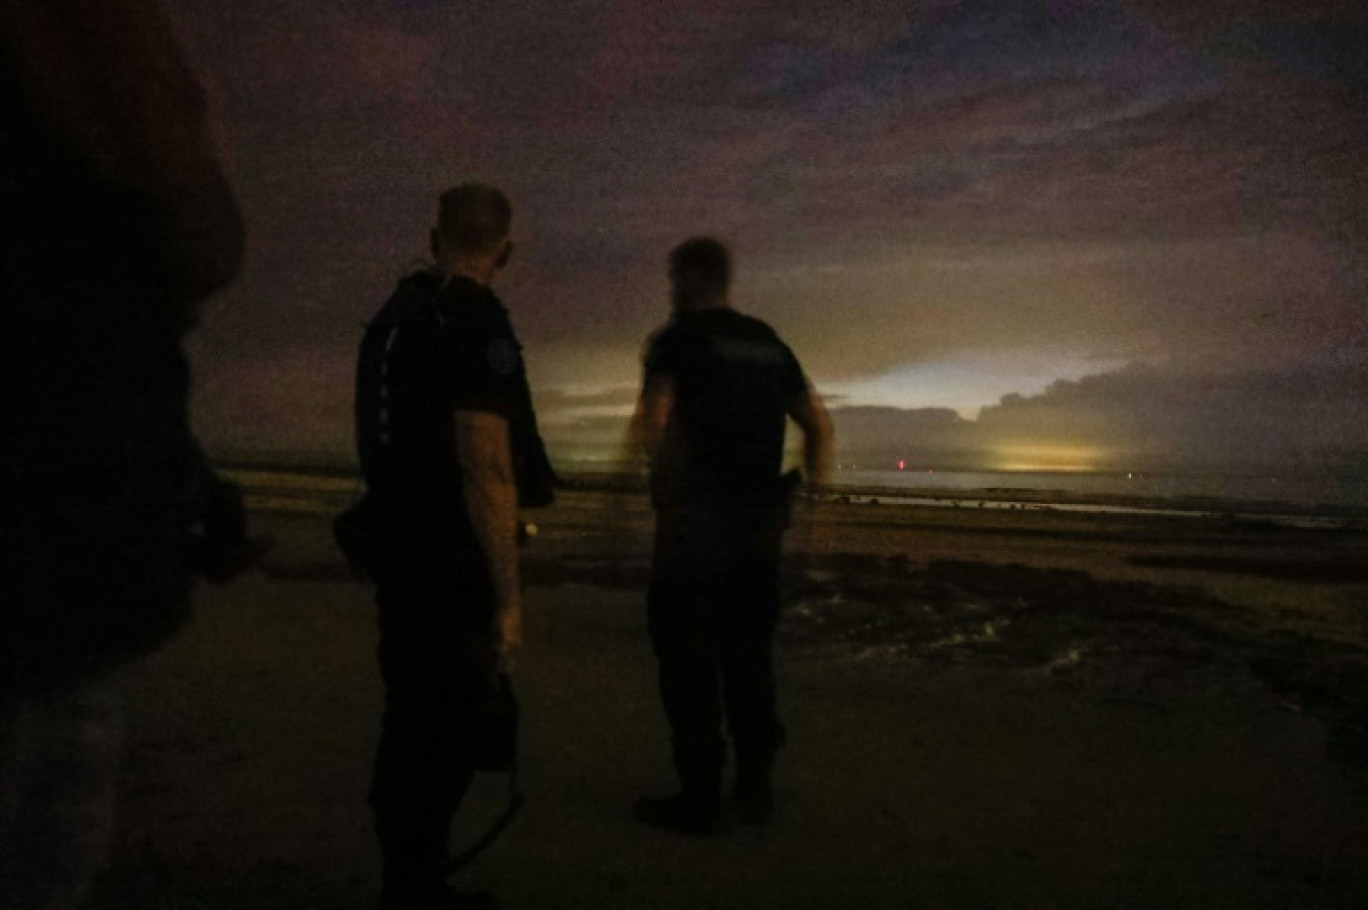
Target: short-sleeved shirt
734, 381
432, 349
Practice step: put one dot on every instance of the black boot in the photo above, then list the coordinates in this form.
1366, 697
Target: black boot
754, 800
696, 809
441, 898
753, 794
413, 849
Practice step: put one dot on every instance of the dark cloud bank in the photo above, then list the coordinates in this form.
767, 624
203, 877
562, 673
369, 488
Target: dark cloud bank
1137, 419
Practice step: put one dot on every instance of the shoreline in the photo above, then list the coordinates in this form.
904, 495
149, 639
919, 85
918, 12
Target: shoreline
1330, 517
299, 482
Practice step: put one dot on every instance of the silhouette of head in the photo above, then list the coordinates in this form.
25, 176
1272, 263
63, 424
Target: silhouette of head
473, 221
700, 273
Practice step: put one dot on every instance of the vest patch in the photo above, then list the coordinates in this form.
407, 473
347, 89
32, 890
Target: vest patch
502, 356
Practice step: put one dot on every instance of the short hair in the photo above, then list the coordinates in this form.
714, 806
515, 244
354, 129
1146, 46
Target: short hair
473, 217
701, 267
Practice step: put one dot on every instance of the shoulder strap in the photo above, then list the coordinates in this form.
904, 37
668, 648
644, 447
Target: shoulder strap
486, 840
505, 743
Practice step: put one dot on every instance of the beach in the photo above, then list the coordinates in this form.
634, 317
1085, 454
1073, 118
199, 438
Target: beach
1027, 707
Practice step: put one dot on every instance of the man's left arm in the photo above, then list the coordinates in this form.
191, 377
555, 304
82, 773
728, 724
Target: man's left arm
656, 434
810, 414
484, 457
804, 407
652, 417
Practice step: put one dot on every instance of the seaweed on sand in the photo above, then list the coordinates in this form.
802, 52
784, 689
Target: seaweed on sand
1061, 621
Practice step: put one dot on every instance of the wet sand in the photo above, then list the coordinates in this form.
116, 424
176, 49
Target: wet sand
989, 709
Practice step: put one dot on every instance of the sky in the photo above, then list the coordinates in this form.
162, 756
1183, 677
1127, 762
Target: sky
1008, 233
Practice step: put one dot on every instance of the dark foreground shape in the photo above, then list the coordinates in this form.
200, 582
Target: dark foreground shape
449, 899
681, 814
754, 804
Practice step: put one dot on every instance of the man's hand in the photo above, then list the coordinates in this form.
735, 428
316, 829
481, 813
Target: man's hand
508, 634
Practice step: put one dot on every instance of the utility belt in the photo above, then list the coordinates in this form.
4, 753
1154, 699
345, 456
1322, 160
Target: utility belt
755, 503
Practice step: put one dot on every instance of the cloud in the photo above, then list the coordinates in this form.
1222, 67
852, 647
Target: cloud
1198, 21
299, 402
1311, 420
1227, 301
1304, 418
553, 400
923, 436
905, 184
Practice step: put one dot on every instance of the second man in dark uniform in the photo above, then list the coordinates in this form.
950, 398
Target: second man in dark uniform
718, 388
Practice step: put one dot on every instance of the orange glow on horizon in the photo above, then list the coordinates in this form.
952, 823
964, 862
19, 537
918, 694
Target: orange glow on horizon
1062, 458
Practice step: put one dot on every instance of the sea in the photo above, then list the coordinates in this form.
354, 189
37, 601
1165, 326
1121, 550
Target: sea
1305, 500
1299, 499
1306, 491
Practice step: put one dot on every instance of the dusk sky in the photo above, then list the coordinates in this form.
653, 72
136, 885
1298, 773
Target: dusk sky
1042, 232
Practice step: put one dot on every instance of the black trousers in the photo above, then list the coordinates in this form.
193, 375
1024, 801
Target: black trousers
713, 604
437, 663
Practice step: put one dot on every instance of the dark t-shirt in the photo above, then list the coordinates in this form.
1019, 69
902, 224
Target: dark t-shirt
734, 380
432, 349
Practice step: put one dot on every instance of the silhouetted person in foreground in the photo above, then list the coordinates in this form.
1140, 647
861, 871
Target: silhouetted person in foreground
443, 418
115, 220
718, 386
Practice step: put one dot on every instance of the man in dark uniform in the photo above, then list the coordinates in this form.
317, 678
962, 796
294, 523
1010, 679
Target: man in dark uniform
443, 413
718, 386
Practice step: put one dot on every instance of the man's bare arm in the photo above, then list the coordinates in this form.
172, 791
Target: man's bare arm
660, 437
810, 414
652, 416
485, 458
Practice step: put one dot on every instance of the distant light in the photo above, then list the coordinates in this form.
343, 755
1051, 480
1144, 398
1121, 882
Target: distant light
902, 465
1049, 458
